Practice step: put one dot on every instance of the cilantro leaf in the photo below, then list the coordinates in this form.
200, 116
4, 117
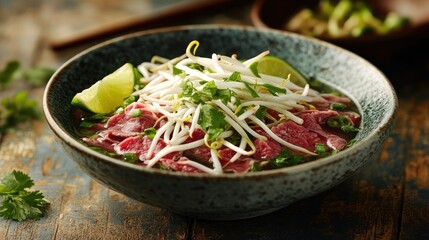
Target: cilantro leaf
261, 113
17, 203
15, 182
196, 66
212, 121
8, 73
209, 92
18, 109
176, 71
273, 89
25, 205
286, 158
254, 68
235, 76
188, 90
209, 89
251, 90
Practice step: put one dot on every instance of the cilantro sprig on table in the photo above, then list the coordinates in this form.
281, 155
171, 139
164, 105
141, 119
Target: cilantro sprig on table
8, 73
17, 202
16, 109
36, 76
20, 107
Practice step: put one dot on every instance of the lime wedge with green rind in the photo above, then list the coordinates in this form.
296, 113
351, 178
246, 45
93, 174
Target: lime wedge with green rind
274, 66
108, 93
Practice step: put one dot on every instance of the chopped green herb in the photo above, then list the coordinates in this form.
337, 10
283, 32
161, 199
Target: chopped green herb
273, 89
212, 121
261, 113
129, 100
351, 142
212, 92
150, 132
176, 71
188, 90
286, 158
196, 66
99, 117
130, 157
136, 112
163, 167
256, 167
342, 122
338, 121
86, 124
349, 129
17, 202
95, 117
338, 106
251, 90
320, 149
137, 76
235, 76
235, 138
209, 92
119, 110
254, 69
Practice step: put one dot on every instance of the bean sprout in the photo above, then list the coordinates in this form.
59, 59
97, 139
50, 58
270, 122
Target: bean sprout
183, 94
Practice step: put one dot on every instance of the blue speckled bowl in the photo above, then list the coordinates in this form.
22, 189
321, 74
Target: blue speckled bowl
226, 196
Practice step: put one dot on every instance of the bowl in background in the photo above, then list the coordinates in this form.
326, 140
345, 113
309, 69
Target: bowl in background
275, 13
227, 196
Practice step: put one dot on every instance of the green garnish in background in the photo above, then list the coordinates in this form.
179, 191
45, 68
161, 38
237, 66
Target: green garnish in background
17, 109
17, 202
36, 76
20, 107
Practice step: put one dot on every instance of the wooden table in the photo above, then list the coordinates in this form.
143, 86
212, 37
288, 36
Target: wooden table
387, 199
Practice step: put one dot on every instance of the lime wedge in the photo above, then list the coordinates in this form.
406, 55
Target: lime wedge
108, 93
275, 66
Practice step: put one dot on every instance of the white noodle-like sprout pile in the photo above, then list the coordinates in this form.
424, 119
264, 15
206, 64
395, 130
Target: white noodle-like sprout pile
183, 93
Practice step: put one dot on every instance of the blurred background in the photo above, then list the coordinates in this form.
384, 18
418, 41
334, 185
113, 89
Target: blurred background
73, 25
57, 29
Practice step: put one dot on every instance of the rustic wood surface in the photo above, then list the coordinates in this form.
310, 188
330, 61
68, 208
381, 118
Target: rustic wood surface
387, 199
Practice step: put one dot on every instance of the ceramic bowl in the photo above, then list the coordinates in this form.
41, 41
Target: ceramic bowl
227, 196
275, 13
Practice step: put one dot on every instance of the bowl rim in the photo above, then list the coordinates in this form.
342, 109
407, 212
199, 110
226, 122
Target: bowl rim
66, 137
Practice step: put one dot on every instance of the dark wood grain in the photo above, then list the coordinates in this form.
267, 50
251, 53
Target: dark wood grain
387, 199
415, 104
